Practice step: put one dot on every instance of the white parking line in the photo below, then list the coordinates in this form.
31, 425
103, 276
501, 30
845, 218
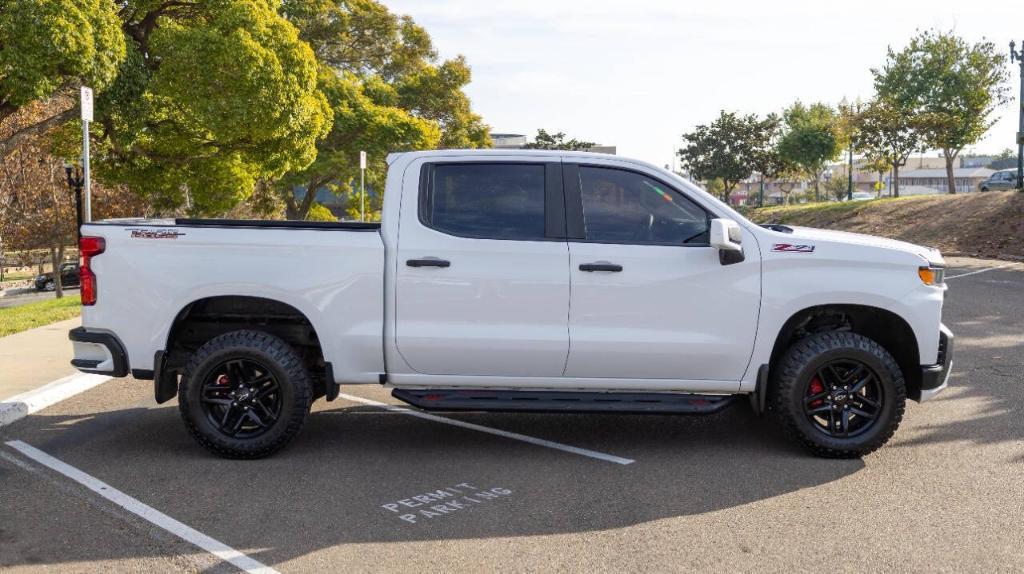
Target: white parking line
144, 511
20, 406
981, 271
489, 430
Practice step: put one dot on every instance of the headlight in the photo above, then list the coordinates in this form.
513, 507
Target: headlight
932, 275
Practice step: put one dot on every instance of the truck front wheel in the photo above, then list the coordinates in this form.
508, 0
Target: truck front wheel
840, 394
244, 394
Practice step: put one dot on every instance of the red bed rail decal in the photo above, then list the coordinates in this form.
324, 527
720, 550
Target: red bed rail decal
790, 248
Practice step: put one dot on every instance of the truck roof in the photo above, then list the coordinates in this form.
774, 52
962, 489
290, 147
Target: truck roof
391, 157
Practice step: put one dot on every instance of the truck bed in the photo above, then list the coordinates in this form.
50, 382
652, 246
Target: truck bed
152, 270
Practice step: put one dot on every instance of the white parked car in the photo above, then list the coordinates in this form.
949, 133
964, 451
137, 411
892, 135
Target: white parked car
518, 281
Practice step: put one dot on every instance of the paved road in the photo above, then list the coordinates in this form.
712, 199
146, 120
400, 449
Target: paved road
725, 492
22, 296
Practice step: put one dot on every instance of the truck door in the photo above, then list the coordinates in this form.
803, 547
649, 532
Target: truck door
650, 298
482, 279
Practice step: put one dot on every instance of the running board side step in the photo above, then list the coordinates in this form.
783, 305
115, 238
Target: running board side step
561, 401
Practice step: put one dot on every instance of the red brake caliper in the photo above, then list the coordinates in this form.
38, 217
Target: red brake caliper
815, 388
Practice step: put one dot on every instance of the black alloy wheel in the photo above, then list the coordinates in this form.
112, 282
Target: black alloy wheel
241, 398
844, 398
839, 393
245, 394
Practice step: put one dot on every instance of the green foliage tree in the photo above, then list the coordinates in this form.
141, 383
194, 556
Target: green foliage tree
318, 212
545, 140
1004, 159
730, 148
213, 96
950, 85
836, 186
48, 49
810, 140
387, 89
359, 124
888, 136
767, 161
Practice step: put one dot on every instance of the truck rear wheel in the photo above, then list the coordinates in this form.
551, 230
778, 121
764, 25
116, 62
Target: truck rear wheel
840, 394
245, 394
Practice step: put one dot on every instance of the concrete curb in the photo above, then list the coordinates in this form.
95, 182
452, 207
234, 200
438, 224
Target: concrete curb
20, 406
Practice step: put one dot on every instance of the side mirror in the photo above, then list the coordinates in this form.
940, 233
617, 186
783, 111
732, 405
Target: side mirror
727, 238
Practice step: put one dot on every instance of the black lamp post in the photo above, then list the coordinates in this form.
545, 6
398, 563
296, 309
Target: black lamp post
75, 182
1018, 56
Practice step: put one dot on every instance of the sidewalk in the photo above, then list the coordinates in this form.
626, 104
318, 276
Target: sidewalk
33, 358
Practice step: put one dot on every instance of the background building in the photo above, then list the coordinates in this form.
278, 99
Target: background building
519, 141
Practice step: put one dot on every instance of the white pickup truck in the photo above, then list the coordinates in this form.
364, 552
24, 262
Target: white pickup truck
518, 281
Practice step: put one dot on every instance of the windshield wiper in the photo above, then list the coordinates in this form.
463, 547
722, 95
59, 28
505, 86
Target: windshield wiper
778, 227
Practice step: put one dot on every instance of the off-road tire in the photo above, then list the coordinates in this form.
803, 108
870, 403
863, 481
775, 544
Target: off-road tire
292, 377
798, 364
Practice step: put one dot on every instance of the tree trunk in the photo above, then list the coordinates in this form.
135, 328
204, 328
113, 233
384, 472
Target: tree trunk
55, 264
298, 211
896, 180
817, 192
949, 171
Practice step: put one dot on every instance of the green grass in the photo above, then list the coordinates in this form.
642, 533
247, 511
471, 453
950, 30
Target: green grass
19, 275
32, 315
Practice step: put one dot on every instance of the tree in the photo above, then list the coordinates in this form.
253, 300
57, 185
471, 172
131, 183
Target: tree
836, 187
810, 141
387, 89
37, 209
544, 140
212, 97
728, 148
888, 136
1004, 160
48, 49
359, 124
767, 161
951, 86
878, 165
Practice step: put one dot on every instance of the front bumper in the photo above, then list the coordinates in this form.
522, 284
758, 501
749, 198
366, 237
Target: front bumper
935, 378
99, 353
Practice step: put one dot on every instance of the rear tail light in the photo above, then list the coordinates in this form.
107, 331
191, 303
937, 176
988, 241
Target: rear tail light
89, 247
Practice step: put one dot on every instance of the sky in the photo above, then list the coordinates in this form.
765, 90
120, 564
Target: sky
639, 74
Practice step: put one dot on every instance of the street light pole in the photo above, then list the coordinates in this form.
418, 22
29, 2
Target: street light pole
853, 111
1018, 56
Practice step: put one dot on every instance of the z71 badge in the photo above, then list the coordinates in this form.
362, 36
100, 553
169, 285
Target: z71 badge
790, 248
155, 234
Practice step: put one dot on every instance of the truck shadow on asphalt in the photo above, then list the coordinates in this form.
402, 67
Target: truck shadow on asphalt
353, 474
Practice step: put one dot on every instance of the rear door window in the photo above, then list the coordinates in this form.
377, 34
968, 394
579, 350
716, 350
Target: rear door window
485, 200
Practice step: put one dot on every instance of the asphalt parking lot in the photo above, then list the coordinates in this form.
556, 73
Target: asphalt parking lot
363, 487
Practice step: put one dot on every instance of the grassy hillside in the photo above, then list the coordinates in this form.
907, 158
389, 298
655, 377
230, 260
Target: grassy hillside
977, 224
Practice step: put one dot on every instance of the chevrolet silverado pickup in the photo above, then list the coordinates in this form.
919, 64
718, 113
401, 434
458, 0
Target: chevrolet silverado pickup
540, 281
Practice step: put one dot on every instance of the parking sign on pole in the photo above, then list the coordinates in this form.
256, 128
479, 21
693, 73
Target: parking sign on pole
86, 118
